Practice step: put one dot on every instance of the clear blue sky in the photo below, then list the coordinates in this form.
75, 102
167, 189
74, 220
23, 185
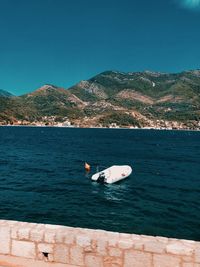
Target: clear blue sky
64, 41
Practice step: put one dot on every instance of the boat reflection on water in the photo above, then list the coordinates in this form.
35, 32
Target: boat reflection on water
115, 193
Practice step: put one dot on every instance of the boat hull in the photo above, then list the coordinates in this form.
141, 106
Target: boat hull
112, 174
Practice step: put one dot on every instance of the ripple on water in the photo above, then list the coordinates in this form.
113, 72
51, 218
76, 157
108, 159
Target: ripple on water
43, 180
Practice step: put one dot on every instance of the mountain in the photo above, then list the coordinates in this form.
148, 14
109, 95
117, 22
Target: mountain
4, 93
154, 95
126, 99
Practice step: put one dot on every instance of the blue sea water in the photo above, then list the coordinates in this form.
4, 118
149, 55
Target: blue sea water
42, 179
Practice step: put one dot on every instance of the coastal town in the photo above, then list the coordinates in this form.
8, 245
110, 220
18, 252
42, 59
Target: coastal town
52, 121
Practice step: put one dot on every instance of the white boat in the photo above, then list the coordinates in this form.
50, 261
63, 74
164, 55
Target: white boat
112, 174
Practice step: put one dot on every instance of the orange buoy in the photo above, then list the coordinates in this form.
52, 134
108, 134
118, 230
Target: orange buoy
87, 167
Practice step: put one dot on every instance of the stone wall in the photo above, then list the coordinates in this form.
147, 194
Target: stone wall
94, 248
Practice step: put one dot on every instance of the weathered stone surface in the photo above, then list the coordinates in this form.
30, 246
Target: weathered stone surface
76, 256
61, 254
69, 238
46, 248
188, 265
188, 258
197, 254
94, 248
154, 247
14, 232
50, 258
162, 239
113, 241
60, 236
83, 240
147, 238
100, 234
23, 233
5, 239
138, 245
53, 227
50, 236
112, 235
23, 249
45, 252
179, 249
93, 261
125, 236
115, 252
125, 243
9, 223
135, 237
102, 246
166, 261
112, 262
138, 259
188, 242
37, 235
91, 248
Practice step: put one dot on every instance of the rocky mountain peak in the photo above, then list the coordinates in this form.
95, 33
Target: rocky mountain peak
47, 87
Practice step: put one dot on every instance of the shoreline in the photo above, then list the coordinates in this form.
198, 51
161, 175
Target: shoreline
109, 128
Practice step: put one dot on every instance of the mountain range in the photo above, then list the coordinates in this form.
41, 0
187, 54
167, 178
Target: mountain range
125, 99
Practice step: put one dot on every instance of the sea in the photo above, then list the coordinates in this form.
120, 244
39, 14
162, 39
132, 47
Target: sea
43, 180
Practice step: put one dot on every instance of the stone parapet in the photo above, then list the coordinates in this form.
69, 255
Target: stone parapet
93, 248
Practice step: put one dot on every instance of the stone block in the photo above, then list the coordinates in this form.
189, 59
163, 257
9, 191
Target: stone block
188, 242
23, 249
60, 236
14, 232
138, 259
12, 223
37, 235
46, 248
188, 258
50, 236
188, 265
69, 238
136, 237
166, 261
113, 241
23, 233
102, 245
154, 247
197, 254
45, 252
147, 238
179, 249
53, 227
61, 253
5, 239
76, 256
112, 262
125, 243
93, 261
83, 240
111, 235
138, 245
125, 236
162, 239
115, 252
